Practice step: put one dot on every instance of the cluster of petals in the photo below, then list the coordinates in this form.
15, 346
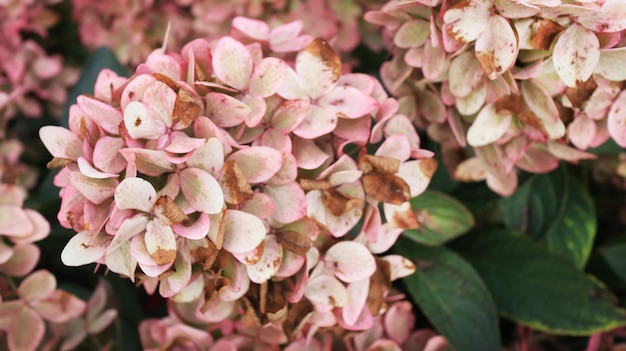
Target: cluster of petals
227, 177
189, 330
507, 85
30, 78
126, 27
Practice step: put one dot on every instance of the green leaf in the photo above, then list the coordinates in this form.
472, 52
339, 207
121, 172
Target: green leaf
441, 218
533, 286
556, 208
615, 257
453, 297
101, 58
573, 229
531, 208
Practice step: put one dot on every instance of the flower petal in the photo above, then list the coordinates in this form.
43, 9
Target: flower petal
399, 266
327, 290
243, 231
258, 163
141, 123
617, 120
488, 127
37, 286
95, 190
576, 55
196, 230
128, 229
539, 101
59, 307
269, 263
135, 193
466, 20
160, 242
27, 339
105, 115
267, 77
348, 102
289, 200
61, 142
496, 48
352, 261
232, 63
319, 67
224, 110
358, 292
83, 248
201, 190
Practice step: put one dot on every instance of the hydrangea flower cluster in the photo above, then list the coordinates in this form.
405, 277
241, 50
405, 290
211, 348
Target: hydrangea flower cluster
188, 329
506, 85
238, 177
30, 78
126, 26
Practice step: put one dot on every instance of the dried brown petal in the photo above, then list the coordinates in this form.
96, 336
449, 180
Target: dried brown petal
404, 217
313, 184
380, 283
205, 255
320, 48
380, 164
545, 32
167, 80
532, 120
386, 187
295, 242
235, 185
162, 257
171, 211
83, 132
297, 316
58, 162
428, 167
338, 203
186, 110
579, 95
509, 104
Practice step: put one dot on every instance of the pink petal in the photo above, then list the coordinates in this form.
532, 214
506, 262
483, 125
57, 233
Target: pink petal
160, 242
90, 171
352, 261
386, 238
399, 321
269, 263
465, 74
348, 102
513, 9
395, 146
260, 205
181, 143
412, 34
308, 154
179, 279
472, 103
105, 115
129, 228
291, 264
191, 292
27, 339
224, 110
609, 64
568, 153
84, 248
581, 131
317, 122
610, 18
400, 267
243, 231
617, 120
539, 101
433, 61
258, 163
488, 127
60, 142
576, 55
208, 157
255, 29
466, 20
95, 190
289, 114
358, 292
267, 77
141, 123
149, 162
417, 174
37, 286
196, 230
257, 107
290, 202
60, 307
201, 190
6, 252
327, 290
121, 261
136, 194
293, 86
106, 156
319, 67
496, 47
232, 63
14, 221
22, 262
101, 322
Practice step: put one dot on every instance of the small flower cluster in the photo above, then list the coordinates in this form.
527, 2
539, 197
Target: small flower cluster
508, 84
126, 26
187, 328
235, 175
29, 77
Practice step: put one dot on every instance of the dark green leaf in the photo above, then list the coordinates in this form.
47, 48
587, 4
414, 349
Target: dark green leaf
573, 229
615, 257
531, 208
441, 218
533, 286
453, 297
101, 58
